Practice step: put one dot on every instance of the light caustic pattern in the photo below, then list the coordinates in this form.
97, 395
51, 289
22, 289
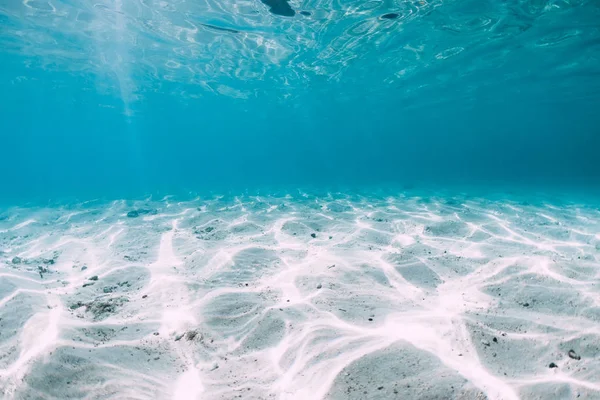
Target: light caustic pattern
242, 49
301, 297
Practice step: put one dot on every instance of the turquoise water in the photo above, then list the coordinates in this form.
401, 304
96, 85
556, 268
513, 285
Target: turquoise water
124, 98
299, 200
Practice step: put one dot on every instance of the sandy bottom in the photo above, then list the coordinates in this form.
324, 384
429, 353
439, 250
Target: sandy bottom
301, 297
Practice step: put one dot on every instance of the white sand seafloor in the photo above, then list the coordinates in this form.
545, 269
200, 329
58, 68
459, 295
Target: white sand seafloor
301, 297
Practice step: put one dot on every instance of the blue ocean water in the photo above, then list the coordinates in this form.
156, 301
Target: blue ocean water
299, 199
122, 98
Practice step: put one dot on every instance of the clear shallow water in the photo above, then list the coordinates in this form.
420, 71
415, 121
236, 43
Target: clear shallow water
125, 98
445, 243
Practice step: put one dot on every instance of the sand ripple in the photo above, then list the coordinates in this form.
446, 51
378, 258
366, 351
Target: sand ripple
301, 297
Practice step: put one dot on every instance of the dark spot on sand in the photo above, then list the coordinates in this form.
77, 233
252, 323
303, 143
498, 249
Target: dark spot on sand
552, 365
319, 286
305, 13
77, 305
370, 319
495, 339
94, 278
279, 7
313, 235
574, 355
380, 388
17, 260
390, 16
88, 284
191, 335
144, 296
42, 271
101, 308
525, 304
